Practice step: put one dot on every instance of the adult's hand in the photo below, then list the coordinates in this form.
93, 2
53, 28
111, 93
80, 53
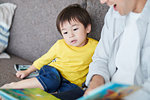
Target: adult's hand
95, 82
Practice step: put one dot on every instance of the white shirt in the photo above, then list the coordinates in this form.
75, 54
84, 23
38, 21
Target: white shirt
129, 44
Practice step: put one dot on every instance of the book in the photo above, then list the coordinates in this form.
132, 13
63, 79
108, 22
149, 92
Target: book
110, 91
19, 67
26, 94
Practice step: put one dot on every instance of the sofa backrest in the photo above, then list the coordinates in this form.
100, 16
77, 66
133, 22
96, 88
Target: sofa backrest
34, 30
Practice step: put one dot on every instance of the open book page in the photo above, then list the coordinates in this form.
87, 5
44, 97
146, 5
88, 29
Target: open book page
111, 91
26, 94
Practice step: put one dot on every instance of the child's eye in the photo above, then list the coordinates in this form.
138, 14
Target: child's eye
65, 32
75, 29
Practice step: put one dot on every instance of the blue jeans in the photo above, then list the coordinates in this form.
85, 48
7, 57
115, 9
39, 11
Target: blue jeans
52, 80
70, 95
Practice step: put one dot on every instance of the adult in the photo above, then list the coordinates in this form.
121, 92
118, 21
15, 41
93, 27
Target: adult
122, 54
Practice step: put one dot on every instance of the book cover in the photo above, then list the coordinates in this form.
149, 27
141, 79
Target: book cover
26, 94
110, 91
19, 67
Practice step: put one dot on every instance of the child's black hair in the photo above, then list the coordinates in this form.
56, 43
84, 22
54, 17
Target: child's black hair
73, 12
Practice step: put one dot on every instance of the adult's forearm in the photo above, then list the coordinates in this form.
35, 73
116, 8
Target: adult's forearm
96, 81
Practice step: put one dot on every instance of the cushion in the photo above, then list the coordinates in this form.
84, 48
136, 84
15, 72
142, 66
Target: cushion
6, 15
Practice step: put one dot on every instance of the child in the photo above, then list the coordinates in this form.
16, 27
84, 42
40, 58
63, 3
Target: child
72, 55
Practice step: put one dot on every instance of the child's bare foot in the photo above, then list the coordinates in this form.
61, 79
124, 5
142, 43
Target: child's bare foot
7, 86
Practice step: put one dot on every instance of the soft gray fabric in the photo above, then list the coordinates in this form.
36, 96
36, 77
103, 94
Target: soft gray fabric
7, 71
97, 12
34, 30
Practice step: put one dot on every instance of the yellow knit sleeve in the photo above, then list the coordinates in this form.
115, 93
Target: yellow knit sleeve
47, 57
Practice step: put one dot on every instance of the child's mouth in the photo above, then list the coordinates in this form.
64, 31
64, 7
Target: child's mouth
73, 41
115, 7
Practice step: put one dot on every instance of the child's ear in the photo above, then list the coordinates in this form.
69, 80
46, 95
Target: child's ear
88, 28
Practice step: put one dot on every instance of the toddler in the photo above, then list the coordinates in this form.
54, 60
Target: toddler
72, 55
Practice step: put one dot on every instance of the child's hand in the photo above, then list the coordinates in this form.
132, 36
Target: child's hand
22, 74
25, 73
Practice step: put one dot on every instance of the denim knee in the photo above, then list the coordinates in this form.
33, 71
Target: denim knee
49, 78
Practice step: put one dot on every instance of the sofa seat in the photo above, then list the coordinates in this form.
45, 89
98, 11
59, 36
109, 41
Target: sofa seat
7, 71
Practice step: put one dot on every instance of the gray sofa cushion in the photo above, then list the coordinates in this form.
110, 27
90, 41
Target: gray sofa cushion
97, 12
34, 30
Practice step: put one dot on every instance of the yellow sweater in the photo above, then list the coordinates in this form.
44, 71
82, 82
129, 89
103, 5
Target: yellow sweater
72, 62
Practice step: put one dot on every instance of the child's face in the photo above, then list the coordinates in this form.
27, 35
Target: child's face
74, 33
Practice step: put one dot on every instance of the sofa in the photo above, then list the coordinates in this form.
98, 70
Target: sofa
33, 30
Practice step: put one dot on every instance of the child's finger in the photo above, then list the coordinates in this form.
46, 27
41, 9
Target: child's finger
22, 76
18, 74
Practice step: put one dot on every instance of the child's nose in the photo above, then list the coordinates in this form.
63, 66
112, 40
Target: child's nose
71, 35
